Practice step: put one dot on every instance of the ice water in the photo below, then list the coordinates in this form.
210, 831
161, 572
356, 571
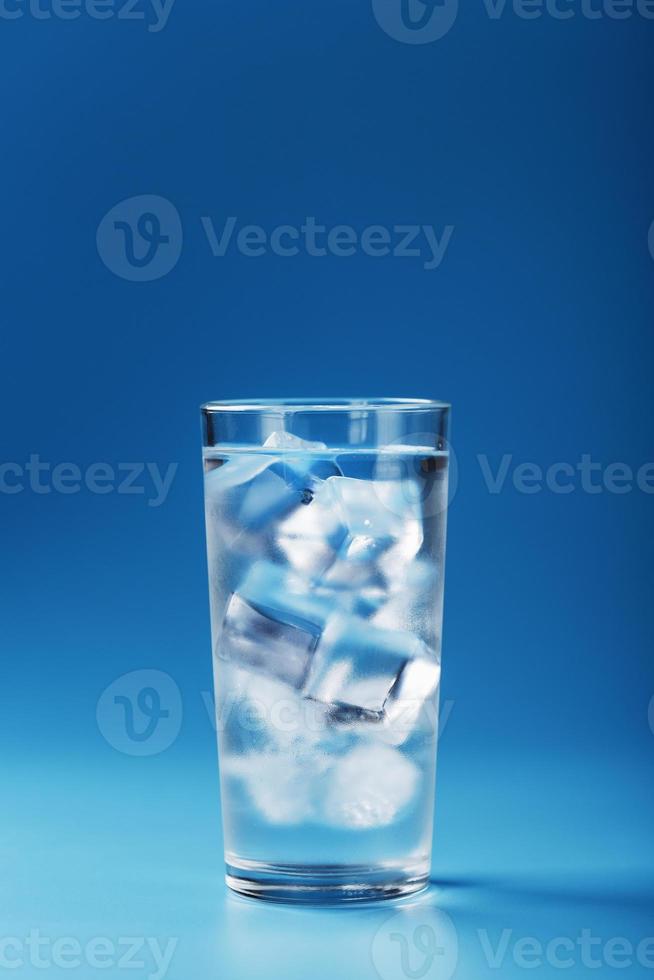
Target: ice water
326, 582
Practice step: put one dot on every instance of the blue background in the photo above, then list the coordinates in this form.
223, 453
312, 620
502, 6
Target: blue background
533, 139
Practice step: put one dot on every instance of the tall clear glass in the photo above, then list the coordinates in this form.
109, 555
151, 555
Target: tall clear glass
326, 543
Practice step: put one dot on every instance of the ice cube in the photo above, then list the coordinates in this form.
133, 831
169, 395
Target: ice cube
406, 710
311, 535
261, 713
363, 506
245, 494
356, 665
381, 542
287, 441
369, 787
285, 596
357, 563
279, 786
378, 516
291, 723
241, 718
249, 637
363, 601
249, 491
278, 744
302, 467
395, 560
272, 624
402, 479
404, 706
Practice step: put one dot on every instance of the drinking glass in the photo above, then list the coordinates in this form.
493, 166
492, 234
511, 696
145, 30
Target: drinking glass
326, 542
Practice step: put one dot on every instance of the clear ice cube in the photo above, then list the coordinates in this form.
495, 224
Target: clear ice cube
304, 470
395, 560
261, 713
364, 601
272, 624
357, 563
279, 786
384, 533
245, 494
369, 787
278, 745
408, 699
285, 596
249, 491
375, 508
281, 439
309, 538
251, 638
356, 665
378, 548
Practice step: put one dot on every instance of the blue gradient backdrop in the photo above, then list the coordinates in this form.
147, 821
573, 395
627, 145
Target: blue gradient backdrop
533, 139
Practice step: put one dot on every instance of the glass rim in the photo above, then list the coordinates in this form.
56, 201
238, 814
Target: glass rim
325, 405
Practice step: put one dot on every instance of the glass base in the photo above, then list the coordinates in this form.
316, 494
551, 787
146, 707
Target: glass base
323, 884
